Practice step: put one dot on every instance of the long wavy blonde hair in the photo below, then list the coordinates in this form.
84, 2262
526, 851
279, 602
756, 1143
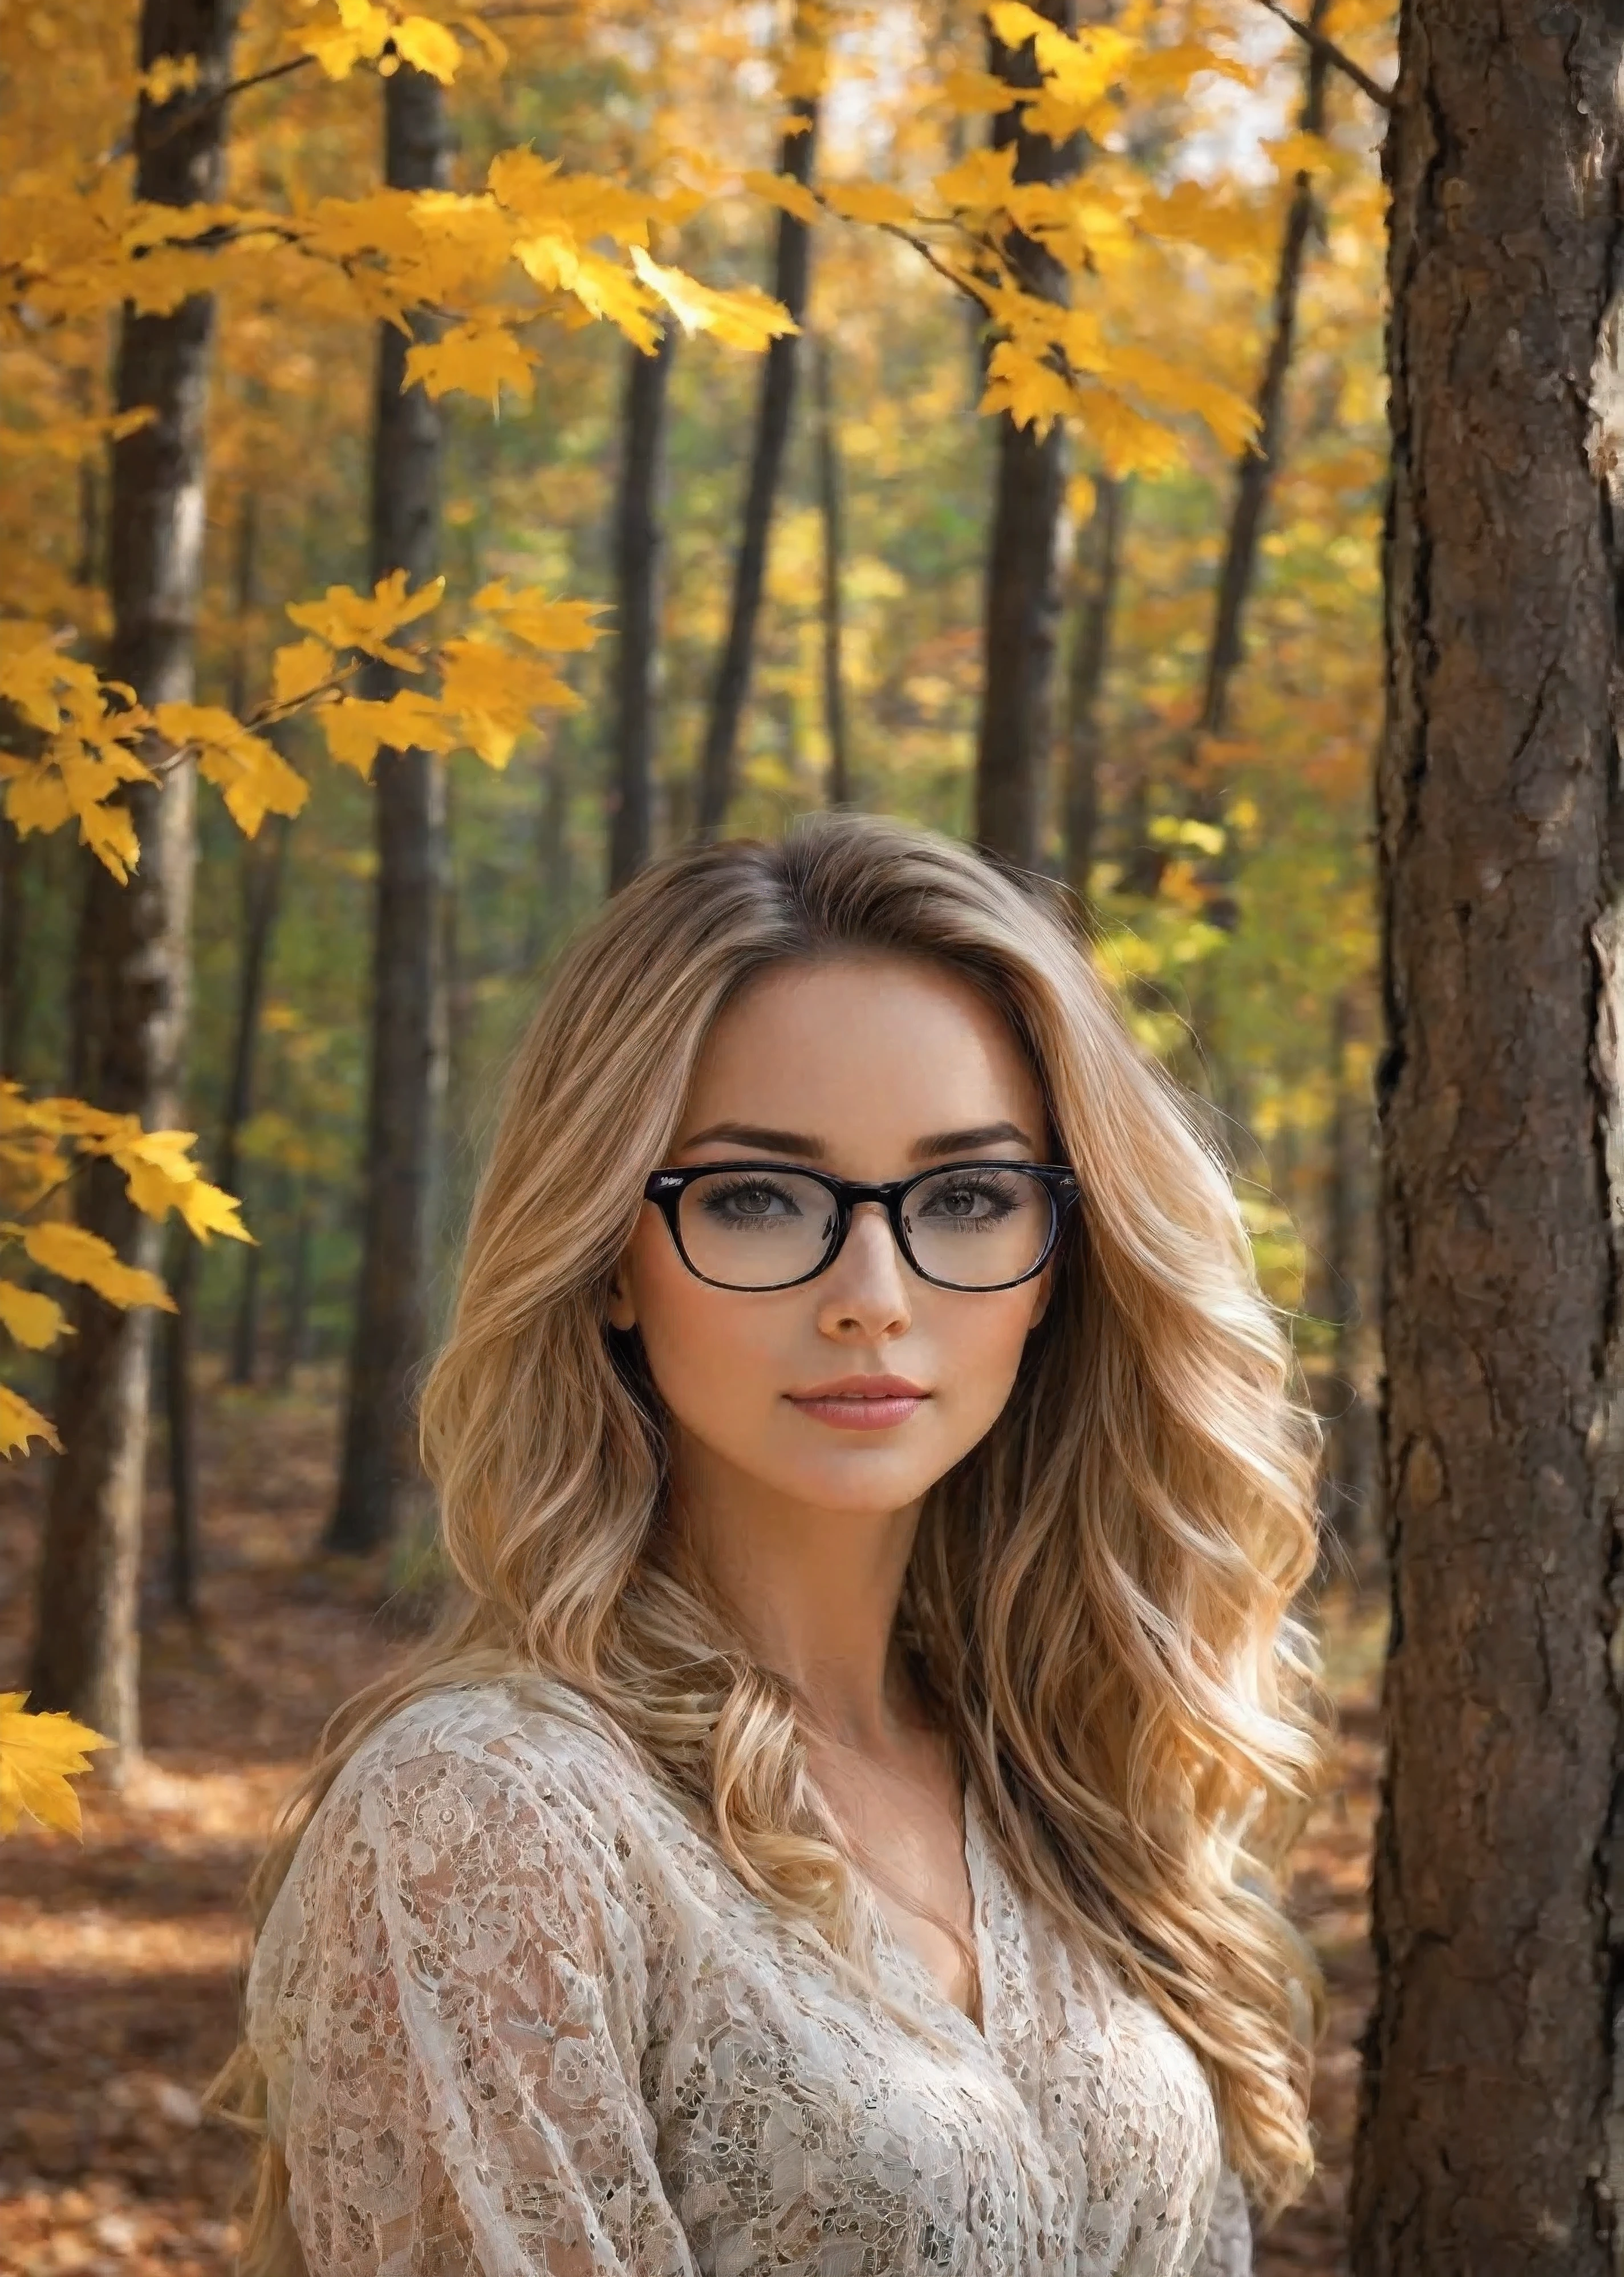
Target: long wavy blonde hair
1098, 1605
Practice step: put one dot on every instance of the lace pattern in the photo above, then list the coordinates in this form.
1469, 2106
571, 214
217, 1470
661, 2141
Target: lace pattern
518, 2017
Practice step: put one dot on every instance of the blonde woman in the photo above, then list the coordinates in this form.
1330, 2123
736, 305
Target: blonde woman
832, 1829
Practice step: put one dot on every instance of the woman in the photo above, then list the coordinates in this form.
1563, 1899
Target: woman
831, 1831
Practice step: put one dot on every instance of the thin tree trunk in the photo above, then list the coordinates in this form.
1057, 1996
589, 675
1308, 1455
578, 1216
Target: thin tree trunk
296, 1322
791, 270
264, 863
1333, 1294
379, 1466
131, 973
1253, 483
186, 1517
832, 507
640, 540
1022, 589
1490, 2140
1099, 560
13, 990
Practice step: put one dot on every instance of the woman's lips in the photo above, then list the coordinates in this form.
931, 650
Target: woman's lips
861, 1403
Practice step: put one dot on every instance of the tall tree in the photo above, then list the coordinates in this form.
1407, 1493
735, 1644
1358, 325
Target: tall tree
1099, 570
406, 1069
1488, 2139
1255, 475
639, 545
130, 980
832, 508
791, 270
1022, 604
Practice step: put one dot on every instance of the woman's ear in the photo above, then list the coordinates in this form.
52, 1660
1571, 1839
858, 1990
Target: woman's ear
621, 1310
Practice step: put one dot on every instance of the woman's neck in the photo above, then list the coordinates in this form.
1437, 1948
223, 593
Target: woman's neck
814, 1592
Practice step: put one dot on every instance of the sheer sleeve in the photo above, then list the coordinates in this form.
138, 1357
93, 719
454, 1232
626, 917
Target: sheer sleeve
450, 2013
1227, 2248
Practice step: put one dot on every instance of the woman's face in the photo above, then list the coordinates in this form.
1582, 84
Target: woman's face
873, 1067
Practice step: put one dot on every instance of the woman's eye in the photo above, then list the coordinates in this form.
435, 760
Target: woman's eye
757, 1199
971, 1201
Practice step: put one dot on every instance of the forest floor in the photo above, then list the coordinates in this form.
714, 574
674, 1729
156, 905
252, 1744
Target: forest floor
121, 1960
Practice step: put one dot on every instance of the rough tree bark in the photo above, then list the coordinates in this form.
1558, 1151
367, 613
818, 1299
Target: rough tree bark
639, 541
831, 507
131, 976
792, 267
264, 863
1490, 2140
1099, 562
1022, 605
407, 1076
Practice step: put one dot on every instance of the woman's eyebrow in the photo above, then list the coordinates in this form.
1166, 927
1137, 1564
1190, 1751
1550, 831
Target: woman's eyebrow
971, 1142
764, 1140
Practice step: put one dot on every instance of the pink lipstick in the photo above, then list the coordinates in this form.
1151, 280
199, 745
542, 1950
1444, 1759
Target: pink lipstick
861, 1403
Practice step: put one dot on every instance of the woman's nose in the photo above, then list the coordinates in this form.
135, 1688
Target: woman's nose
865, 1290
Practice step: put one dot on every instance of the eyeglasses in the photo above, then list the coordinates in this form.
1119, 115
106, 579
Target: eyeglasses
759, 1226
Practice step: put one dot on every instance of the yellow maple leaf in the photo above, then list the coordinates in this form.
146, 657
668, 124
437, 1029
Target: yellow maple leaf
493, 693
19, 1423
35, 1321
39, 1757
428, 46
869, 202
477, 358
252, 775
529, 616
299, 669
742, 319
162, 1175
357, 728
346, 619
74, 1255
360, 35
785, 192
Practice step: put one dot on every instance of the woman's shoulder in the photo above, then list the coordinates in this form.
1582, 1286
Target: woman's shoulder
520, 1752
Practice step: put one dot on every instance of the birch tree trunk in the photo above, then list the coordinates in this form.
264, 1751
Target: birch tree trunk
791, 268
639, 543
131, 981
1490, 2137
407, 1064
1022, 604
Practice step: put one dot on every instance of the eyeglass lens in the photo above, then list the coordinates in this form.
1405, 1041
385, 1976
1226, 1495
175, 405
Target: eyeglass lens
973, 1229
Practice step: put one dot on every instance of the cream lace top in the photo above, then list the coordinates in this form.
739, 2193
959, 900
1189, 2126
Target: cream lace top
519, 2019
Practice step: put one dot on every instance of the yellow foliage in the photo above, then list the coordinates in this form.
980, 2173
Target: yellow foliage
783, 190
74, 1255
741, 319
252, 775
35, 1321
869, 201
39, 1757
19, 1423
346, 619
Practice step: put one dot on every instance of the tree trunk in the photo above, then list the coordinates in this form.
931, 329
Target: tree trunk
830, 505
639, 541
296, 1321
379, 1464
264, 861
1335, 1278
1022, 592
186, 1519
1099, 560
1490, 2137
1254, 482
791, 270
130, 977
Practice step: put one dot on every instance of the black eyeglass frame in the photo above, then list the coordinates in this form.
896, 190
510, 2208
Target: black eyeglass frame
665, 1189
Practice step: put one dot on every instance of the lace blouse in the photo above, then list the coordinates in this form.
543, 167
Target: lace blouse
518, 2018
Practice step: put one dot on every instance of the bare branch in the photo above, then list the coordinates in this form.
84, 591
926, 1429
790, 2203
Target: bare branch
1382, 97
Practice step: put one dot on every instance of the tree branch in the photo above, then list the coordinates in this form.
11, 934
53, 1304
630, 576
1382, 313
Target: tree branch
1382, 97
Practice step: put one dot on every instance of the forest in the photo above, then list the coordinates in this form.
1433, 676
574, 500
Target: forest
450, 458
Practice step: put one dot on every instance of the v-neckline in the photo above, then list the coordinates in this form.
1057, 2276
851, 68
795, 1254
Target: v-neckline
911, 1962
